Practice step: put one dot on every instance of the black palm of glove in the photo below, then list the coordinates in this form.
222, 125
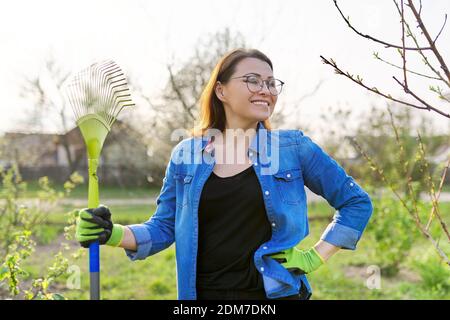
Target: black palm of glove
94, 225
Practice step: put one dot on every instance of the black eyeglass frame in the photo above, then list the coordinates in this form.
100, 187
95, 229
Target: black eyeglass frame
266, 82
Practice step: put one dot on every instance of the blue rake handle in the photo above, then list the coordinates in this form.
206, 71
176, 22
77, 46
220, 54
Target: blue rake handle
94, 248
94, 270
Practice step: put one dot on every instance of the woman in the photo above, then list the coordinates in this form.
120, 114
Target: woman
236, 222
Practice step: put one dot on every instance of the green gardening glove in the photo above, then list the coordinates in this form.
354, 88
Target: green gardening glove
96, 225
299, 261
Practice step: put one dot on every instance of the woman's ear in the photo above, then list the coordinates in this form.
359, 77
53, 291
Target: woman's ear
219, 91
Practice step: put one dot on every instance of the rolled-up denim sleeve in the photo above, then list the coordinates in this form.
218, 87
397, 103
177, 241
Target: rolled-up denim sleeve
325, 177
158, 232
143, 241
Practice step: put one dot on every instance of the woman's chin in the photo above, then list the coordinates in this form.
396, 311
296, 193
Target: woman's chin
262, 115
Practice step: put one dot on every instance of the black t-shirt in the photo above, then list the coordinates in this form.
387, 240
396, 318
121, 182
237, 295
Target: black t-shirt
232, 225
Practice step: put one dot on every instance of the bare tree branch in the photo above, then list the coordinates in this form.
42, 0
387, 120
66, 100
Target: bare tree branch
375, 90
403, 47
442, 28
413, 213
428, 106
441, 184
416, 42
430, 41
311, 93
48, 100
386, 44
377, 56
179, 94
432, 193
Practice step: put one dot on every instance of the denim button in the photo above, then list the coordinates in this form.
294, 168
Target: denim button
262, 269
351, 184
267, 193
288, 175
273, 224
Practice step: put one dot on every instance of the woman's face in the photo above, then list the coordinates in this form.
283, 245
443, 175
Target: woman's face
241, 104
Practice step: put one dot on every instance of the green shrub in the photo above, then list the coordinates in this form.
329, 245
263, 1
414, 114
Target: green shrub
394, 234
434, 273
21, 225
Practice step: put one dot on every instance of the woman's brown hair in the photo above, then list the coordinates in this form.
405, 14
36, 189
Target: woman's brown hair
212, 113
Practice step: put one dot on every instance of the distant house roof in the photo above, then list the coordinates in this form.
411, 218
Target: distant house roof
47, 149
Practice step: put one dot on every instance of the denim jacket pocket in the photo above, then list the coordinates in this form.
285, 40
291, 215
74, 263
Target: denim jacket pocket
183, 181
289, 184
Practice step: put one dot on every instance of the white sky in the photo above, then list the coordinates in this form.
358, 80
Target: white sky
143, 36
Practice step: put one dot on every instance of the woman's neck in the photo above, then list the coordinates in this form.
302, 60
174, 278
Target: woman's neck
241, 134
234, 143
241, 126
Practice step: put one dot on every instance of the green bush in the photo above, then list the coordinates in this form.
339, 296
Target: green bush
394, 234
434, 283
21, 225
434, 273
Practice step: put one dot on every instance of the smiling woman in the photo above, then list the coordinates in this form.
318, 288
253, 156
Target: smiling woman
236, 224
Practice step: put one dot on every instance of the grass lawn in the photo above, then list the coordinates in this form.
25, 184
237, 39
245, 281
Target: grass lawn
343, 277
106, 192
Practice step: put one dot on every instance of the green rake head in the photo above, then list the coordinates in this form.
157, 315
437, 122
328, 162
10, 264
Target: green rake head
94, 131
97, 95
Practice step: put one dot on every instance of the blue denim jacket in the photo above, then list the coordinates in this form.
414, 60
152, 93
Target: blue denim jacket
284, 161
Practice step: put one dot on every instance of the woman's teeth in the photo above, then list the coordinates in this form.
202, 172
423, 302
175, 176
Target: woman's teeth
261, 103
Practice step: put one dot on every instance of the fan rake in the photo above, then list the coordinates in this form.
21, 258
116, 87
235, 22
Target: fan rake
97, 94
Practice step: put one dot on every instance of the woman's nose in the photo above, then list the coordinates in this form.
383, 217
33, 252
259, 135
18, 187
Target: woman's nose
265, 88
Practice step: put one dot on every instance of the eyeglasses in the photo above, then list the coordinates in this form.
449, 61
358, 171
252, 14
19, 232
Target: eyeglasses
256, 84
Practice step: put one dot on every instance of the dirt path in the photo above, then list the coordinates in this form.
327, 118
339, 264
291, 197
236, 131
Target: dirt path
81, 202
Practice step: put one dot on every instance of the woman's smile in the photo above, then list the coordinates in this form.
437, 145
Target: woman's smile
260, 103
